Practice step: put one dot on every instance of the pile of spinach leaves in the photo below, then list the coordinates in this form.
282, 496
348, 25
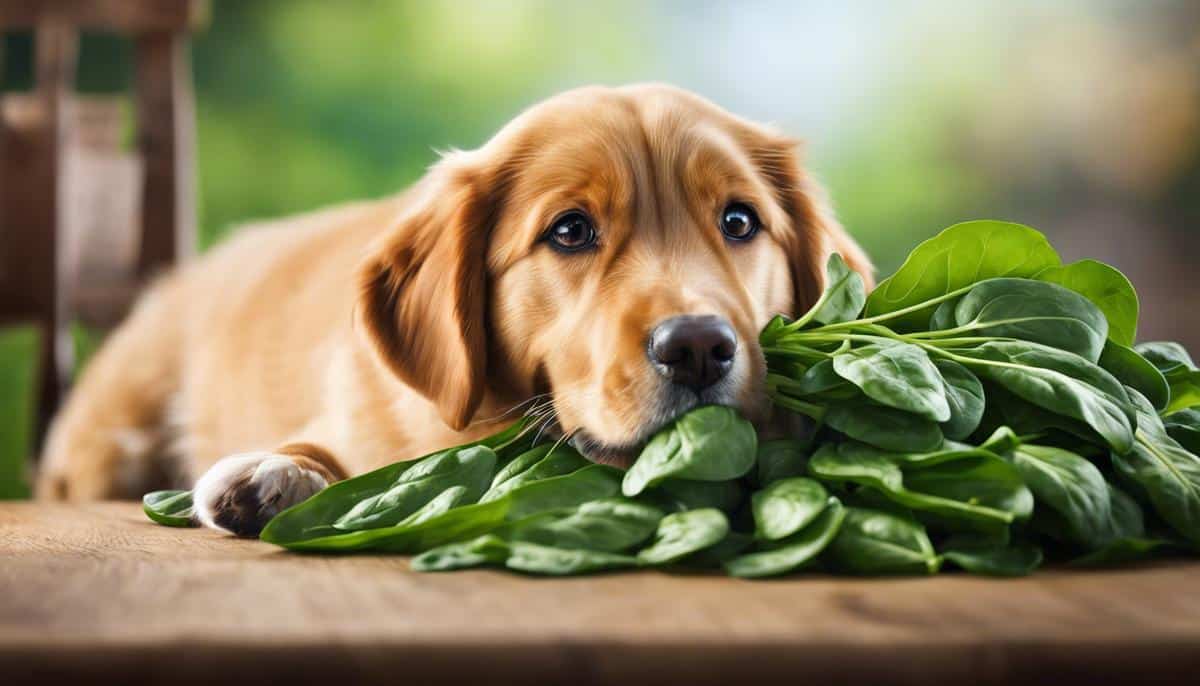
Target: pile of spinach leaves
985, 407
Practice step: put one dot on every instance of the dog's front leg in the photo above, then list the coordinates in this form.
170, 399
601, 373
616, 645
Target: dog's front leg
242, 492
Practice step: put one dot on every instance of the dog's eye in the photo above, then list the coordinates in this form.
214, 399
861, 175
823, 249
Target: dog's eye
572, 232
739, 222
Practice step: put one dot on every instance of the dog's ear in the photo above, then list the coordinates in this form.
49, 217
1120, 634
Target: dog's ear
423, 291
815, 231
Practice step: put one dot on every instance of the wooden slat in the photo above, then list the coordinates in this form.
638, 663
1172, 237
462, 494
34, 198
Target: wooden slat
99, 593
122, 16
165, 137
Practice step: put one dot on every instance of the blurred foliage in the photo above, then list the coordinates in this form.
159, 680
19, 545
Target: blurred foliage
18, 346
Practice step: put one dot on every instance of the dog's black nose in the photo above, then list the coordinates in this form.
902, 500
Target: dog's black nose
693, 351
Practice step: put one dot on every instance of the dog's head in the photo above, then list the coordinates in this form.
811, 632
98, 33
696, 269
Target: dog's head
615, 249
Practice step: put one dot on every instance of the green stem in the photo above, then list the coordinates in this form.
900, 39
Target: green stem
811, 410
898, 313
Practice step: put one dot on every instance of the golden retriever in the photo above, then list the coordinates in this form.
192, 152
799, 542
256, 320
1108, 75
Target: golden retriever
612, 252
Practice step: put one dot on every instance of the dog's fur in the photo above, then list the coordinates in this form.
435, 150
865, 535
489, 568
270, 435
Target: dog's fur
336, 342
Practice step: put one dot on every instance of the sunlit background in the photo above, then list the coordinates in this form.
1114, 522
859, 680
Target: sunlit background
1078, 117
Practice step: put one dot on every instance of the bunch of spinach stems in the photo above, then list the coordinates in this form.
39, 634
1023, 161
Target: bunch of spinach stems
985, 408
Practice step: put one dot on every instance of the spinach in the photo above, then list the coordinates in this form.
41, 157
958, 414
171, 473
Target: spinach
679, 495
1179, 370
1135, 371
989, 558
1167, 473
1071, 486
556, 460
169, 508
539, 559
470, 467
898, 375
684, 533
794, 551
884, 427
965, 397
609, 525
876, 542
488, 549
780, 459
1107, 288
843, 297
960, 256
1184, 427
1032, 311
787, 506
711, 443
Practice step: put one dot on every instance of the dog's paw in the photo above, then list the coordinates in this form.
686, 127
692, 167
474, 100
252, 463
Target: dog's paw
241, 493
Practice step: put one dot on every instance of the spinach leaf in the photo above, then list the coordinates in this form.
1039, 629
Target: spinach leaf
711, 443
719, 553
780, 459
457, 524
557, 460
1167, 473
1168, 356
964, 395
532, 558
990, 558
1184, 427
884, 427
609, 525
520, 464
314, 518
1131, 369
169, 508
1107, 288
486, 550
794, 551
961, 255
844, 294
898, 375
683, 533
821, 379
469, 467
679, 495
1072, 487
1060, 382
1123, 551
1033, 311
876, 542
787, 506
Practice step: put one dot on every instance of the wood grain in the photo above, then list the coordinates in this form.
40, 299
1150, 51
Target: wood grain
99, 593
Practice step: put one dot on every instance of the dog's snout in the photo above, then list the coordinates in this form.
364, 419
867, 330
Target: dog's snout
693, 351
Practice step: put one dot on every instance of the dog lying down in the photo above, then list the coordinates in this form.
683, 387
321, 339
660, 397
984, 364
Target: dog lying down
611, 253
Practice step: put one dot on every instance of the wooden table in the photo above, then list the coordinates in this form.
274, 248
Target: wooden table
99, 592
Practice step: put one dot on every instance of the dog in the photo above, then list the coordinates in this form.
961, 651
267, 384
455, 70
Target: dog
612, 254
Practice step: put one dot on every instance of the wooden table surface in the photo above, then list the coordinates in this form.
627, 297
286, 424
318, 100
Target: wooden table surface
98, 591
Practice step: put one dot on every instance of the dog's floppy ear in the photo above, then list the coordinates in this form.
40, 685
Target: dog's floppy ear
423, 292
815, 231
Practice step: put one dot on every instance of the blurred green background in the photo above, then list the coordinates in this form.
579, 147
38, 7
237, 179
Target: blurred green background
1079, 117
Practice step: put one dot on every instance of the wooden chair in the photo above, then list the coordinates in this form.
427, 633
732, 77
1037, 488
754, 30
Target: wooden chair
50, 189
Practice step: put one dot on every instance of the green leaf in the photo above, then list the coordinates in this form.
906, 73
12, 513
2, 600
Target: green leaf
1033, 311
780, 459
679, 495
471, 467
795, 551
1131, 369
965, 397
787, 506
532, 558
1167, 473
898, 375
1184, 427
1071, 486
1123, 551
555, 460
487, 550
958, 257
1107, 288
844, 295
610, 525
684, 533
1057, 381
876, 542
885, 427
992, 559
718, 554
711, 443
169, 508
